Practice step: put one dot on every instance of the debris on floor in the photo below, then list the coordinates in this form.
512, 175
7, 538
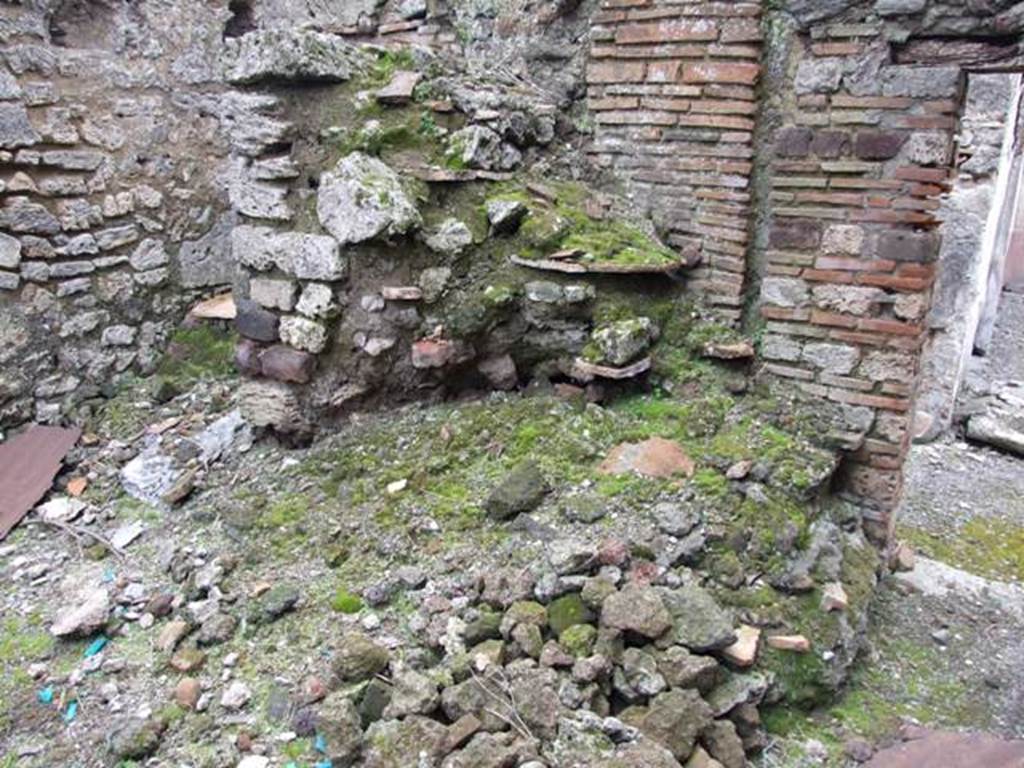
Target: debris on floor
28, 464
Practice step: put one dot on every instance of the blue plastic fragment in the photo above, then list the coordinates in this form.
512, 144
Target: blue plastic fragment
320, 744
71, 712
96, 646
108, 576
45, 696
324, 764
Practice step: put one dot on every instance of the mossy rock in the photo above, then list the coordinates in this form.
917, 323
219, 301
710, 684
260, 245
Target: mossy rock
567, 611
486, 626
578, 640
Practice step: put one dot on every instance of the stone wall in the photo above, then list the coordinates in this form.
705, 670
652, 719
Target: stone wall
109, 151
794, 159
672, 89
862, 128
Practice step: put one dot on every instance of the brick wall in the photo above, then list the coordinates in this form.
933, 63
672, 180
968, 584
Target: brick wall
672, 90
861, 158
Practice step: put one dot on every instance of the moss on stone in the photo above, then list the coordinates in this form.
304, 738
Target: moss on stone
194, 354
567, 611
578, 640
346, 602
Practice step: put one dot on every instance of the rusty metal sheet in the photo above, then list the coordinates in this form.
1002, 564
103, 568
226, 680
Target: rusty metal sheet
28, 464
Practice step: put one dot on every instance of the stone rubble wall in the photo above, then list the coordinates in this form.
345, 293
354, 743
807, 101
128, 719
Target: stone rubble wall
672, 89
112, 220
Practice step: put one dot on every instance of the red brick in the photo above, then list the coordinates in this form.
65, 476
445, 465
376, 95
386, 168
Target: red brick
663, 71
616, 72
614, 102
871, 102
713, 72
636, 117
740, 92
717, 121
939, 106
828, 276
836, 49
725, 107
675, 30
926, 190
741, 31
846, 199
916, 173
894, 327
847, 382
667, 105
783, 313
894, 282
789, 372
892, 217
860, 338
900, 405
832, 319
854, 265
921, 123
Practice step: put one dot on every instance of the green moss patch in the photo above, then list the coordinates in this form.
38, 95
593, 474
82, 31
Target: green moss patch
989, 547
193, 354
565, 225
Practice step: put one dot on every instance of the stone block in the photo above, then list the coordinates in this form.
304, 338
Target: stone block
289, 54
22, 216
272, 293
818, 75
118, 336
888, 366
784, 291
361, 199
787, 348
837, 359
286, 364
15, 128
878, 145
208, 260
800, 235
303, 334
906, 246
930, 148
256, 323
847, 299
830, 144
917, 82
793, 142
317, 300
149, 254
846, 239
115, 237
899, 7
10, 252
308, 257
